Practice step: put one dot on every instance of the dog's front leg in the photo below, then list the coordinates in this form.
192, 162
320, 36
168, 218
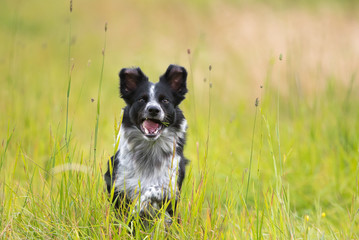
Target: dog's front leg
152, 199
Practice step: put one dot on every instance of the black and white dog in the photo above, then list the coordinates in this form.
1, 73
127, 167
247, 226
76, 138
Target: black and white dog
149, 165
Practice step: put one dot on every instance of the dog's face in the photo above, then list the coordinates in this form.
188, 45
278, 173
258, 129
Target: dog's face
153, 107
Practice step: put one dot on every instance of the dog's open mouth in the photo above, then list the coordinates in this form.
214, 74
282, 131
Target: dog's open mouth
151, 127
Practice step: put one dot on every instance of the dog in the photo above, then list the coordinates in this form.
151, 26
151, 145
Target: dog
149, 165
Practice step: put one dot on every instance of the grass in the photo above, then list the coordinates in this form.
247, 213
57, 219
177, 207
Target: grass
284, 166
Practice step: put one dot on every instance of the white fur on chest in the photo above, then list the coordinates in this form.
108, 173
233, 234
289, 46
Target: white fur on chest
145, 164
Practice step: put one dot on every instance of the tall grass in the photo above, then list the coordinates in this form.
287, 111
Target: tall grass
70, 69
303, 147
251, 157
99, 96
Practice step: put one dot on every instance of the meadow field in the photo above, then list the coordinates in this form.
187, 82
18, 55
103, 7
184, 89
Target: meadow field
273, 113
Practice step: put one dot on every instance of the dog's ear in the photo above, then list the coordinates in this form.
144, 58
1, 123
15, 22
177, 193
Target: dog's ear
176, 77
130, 79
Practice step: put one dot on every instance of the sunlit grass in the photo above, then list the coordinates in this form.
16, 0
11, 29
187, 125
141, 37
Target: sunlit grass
282, 167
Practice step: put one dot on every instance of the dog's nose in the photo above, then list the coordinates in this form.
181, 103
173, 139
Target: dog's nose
153, 110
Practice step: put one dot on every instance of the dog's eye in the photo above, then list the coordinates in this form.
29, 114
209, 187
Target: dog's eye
142, 100
164, 100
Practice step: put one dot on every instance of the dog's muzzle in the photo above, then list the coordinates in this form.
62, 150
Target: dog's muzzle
152, 124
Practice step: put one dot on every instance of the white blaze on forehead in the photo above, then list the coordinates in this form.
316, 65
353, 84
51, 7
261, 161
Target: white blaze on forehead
152, 93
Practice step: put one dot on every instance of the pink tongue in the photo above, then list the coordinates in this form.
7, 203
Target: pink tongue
150, 126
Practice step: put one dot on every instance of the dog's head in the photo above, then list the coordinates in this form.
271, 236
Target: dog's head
153, 107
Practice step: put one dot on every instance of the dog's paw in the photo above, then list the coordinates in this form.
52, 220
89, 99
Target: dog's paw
151, 200
149, 208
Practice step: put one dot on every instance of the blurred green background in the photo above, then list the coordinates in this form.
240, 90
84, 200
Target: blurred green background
299, 58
